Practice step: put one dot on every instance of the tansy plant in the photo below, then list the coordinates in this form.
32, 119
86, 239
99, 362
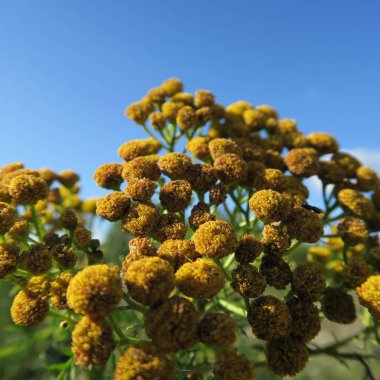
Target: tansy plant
229, 269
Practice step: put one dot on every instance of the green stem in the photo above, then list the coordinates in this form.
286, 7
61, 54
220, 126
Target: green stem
294, 246
146, 129
128, 340
116, 327
36, 222
133, 305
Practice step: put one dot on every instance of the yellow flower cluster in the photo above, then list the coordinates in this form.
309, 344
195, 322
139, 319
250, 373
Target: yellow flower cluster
213, 231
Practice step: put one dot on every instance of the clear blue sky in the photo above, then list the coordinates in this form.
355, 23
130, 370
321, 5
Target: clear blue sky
69, 68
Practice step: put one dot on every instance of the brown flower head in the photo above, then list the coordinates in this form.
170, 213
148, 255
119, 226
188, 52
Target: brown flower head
302, 162
356, 271
202, 177
218, 194
247, 281
141, 219
348, 163
200, 214
37, 259
354, 231
269, 318
231, 168
109, 176
27, 189
176, 195
58, 290
169, 226
275, 241
276, 271
230, 365
308, 282
338, 306
304, 225
249, 248
305, 316
172, 325
286, 356
8, 259
217, 329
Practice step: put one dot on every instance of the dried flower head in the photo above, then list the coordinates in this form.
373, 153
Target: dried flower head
286, 356
37, 259
109, 176
308, 282
217, 329
274, 240
304, 225
176, 195
248, 249
169, 226
172, 325
338, 306
276, 271
306, 323
230, 365
269, 318
231, 168
247, 281
141, 219
302, 162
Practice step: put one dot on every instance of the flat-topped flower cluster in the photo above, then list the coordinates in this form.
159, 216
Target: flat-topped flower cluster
220, 223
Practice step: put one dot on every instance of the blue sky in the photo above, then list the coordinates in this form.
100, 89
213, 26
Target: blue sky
68, 69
